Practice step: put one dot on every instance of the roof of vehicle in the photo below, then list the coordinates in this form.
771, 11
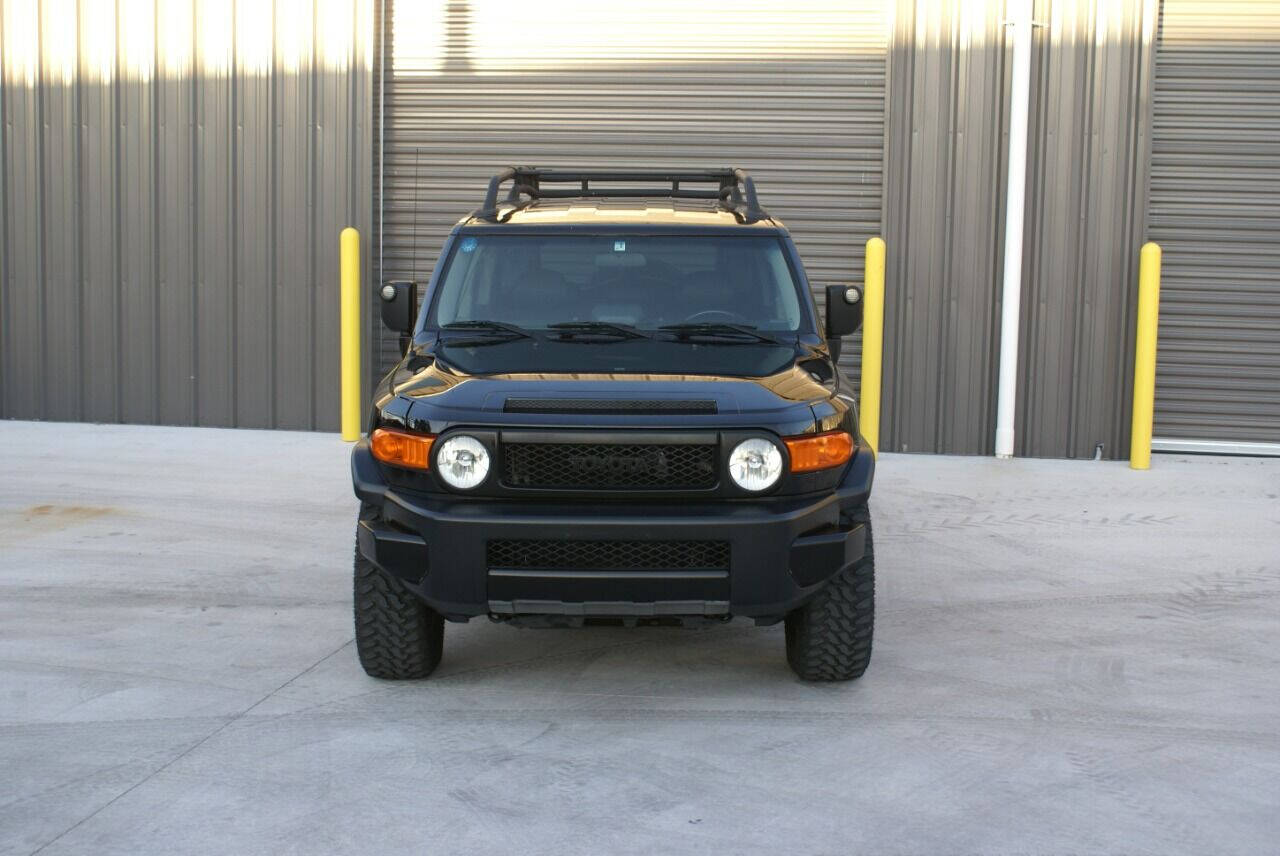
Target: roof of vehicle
539, 197
620, 212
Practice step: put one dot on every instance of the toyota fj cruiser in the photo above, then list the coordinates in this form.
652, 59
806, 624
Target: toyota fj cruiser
616, 405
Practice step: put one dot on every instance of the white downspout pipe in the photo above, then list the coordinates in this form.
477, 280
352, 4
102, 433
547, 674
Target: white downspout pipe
1019, 17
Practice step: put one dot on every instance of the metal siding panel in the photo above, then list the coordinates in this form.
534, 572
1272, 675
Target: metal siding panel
361, 212
7, 359
1053, 244
294, 123
60, 384
136, 165
163, 258
24, 289
1089, 158
215, 176
343, 166
331, 216
943, 225
796, 96
945, 214
98, 346
175, 283
968, 371
1215, 186
335, 210
255, 273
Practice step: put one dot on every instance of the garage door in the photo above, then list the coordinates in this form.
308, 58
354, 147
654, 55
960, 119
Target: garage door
1215, 209
792, 92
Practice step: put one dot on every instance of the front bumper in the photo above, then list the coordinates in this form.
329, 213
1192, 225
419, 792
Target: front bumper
782, 549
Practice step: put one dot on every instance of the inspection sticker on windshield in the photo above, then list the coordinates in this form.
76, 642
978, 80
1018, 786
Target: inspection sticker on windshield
468, 244
619, 246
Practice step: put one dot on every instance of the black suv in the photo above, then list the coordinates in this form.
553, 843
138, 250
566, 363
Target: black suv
616, 406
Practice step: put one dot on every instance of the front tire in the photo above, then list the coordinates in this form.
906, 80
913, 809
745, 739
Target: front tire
398, 637
829, 638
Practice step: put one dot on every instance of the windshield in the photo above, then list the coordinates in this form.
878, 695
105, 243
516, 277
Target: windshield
648, 282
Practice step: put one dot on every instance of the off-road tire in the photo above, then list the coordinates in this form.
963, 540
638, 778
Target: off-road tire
398, 637
829, 638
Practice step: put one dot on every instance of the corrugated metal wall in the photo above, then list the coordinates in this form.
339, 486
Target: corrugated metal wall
1089, 160
175, 174
944, 224
1215, 210
793, 92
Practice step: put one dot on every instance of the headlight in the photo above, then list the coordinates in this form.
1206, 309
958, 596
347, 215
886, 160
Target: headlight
755, 464
462, 461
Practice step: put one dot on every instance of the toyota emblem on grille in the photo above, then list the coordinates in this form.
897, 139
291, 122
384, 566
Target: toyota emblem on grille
654, 462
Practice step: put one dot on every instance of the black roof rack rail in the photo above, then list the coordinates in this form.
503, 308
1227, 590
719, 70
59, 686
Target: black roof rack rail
735, 190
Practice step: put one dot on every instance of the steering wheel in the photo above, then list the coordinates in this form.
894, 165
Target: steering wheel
723, 315
643, 282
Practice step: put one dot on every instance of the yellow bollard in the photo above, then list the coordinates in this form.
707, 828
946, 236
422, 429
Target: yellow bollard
1144, 359
349, 323
872, 343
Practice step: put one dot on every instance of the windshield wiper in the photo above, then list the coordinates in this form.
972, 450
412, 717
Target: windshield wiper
724, 332
569, 329
489, 326
500, 327
482, 333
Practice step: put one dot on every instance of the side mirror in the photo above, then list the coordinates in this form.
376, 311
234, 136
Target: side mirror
844, 314
400, 309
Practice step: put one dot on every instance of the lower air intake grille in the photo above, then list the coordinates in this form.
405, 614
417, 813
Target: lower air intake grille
609, 466
609, 555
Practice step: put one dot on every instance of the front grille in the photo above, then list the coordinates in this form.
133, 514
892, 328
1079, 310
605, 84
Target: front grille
609, 555
610, 466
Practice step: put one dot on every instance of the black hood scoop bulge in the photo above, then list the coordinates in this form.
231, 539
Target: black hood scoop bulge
610, 406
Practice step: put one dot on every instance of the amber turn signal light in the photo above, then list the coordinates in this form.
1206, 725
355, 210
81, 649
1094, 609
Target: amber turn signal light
401, 448
819, 451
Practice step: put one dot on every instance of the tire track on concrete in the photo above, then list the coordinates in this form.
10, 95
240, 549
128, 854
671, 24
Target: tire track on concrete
971, 757
90, 596
1099, 772
1201, 595
911, 527
1207, 597
1104, 492
1085, 724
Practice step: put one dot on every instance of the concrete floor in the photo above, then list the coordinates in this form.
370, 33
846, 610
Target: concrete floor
1070, 658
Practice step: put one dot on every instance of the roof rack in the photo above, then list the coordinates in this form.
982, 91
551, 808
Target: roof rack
735, 191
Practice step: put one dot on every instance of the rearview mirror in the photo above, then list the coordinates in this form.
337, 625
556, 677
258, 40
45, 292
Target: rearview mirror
844, 314
400, 309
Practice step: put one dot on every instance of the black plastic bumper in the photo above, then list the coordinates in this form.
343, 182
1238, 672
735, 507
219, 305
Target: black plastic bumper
782, 549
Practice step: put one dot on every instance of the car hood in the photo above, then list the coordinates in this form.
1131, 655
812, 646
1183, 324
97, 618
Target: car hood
424, 395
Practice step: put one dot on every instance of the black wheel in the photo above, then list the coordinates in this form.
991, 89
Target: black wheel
829, 638
397, 635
